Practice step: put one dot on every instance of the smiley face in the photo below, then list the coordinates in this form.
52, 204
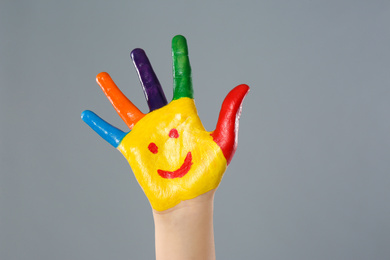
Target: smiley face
184, 168
172, 156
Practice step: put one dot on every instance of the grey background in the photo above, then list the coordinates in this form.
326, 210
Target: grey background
310, 179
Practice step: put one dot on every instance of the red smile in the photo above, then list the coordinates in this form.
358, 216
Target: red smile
184, 168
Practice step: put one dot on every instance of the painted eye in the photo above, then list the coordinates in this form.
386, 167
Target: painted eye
153, 148
173, 133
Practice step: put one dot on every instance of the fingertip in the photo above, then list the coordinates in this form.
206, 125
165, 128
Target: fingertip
243, 88
141, 62
179, 44
237, 94
102, 76
86, 115
137, 52
89, 117
178, 37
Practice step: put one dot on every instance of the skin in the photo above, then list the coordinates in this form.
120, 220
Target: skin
176, 161
186, 230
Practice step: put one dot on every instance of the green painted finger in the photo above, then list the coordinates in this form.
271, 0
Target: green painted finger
182, 81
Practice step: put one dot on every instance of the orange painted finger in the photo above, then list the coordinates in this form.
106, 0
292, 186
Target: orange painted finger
129, 113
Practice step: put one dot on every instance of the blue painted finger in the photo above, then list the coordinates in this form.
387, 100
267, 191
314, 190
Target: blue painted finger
108, 132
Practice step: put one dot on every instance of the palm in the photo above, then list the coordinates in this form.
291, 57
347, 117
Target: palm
172, 156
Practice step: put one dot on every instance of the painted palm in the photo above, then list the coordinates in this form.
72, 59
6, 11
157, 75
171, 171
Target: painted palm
171, 154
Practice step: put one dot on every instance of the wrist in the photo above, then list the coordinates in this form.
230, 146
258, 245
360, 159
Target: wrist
204, 201
186, 230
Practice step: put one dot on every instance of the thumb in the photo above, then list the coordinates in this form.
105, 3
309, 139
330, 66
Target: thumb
226, 131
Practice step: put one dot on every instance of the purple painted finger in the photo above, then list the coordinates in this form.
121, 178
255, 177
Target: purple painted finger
152, 89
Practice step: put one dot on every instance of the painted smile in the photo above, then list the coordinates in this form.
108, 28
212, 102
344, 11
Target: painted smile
184, 168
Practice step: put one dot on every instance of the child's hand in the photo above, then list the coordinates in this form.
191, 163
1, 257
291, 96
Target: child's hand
172, 156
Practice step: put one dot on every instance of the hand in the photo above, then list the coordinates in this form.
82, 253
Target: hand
172, 155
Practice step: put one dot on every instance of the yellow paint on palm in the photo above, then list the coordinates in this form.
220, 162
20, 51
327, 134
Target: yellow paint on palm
172, 155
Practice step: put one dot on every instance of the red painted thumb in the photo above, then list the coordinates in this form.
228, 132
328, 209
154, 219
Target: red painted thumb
226, 132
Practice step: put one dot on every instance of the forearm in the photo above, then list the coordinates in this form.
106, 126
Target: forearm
186, 230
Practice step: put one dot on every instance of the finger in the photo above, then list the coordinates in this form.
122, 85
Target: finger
226, 132
108, 132
129, 113
152, 89
182, 81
